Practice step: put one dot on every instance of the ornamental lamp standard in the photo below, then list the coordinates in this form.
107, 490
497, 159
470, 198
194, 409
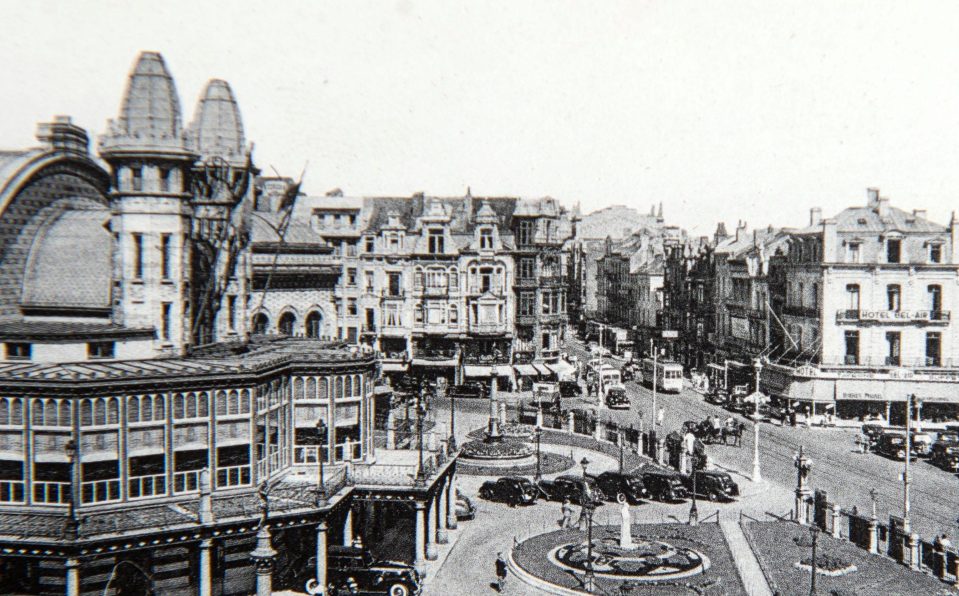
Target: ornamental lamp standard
585, 463
757, 476
873, 495
538, 433
814, 532
71, 527
420, 413
622, 445
452, 441
321, 436
694, 464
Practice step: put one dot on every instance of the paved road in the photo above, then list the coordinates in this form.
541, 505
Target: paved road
846, 475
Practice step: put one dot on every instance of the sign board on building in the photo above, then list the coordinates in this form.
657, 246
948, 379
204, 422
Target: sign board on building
901, 315
670, 334
740, 327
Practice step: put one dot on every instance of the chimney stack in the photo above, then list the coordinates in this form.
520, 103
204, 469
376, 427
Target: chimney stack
882, 207
872, 195
815, 216
919, 213
63, 134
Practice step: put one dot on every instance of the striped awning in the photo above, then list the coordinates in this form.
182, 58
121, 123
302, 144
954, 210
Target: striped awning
526, 370
478, 371
541, 369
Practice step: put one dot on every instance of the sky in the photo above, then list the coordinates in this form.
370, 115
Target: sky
723, 111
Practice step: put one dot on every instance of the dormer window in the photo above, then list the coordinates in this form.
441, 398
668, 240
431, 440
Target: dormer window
136, 178
854, 252
935, 253
486, 239
435, 241
893, 250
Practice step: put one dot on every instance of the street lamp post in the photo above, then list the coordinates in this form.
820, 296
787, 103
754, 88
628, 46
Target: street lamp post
693, 509
538, 433
587, 504
622, 446
652, 348
757, 476
803, 466
873, 495
321, 434
420, 412
452, 442
814, 532
905, 474
71, 526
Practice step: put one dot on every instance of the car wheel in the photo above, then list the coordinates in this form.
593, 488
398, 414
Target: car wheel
485, 494
399, 590
713, 497
620, 497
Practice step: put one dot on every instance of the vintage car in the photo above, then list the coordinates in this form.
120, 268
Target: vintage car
945, 454
616, 398
715, 485
573, 488
872, 430
922, 443
469, 389
512, 490
352, 570
616, 485
570, 389
628, 371
717, 396
465, 510
664, 485
893, 444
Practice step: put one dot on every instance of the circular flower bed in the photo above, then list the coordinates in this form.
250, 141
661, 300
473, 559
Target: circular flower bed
514, 430
831, 565
495, 450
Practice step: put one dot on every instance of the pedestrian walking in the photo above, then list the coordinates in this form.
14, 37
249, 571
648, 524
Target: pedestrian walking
582, 517
500, 572
567, 521
659, 416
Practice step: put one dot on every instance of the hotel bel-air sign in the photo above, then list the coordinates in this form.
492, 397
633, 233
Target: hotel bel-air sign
903, 316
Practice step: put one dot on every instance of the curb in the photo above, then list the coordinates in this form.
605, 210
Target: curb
531, 580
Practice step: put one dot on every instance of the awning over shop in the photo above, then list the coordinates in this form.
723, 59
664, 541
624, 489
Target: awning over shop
541, 369
424, 362
862, 390
562, 368
478, 371
526, 370
395, 366
503, 370
714, 366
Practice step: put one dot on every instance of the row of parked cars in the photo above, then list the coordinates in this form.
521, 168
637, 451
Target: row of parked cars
942, 448
650, 483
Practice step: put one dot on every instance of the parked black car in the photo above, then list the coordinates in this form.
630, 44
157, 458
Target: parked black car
352, 570
572, 488
465, 510
717, 396
470, 389
570, 389
945, 452
615, 484
664, 485
893, 445
715, 485
512, 490
872, 430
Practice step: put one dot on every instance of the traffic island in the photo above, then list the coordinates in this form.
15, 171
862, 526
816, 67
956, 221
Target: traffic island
784, 551
550, 463
665, 559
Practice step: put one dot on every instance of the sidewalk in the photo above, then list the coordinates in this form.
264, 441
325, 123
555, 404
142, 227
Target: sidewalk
747, 564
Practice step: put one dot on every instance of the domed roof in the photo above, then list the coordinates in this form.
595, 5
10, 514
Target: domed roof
150, 113
71, 261
217, 129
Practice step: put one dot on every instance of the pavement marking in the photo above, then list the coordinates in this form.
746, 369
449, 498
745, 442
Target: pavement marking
750, 572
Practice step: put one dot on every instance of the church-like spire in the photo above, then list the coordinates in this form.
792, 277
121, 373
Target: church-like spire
217, 128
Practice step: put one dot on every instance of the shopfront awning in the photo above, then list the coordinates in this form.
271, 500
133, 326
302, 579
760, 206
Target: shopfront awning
503, 370
424, 362
395, 366
541, 369
717, 367
478, 371
562, 368
526, 370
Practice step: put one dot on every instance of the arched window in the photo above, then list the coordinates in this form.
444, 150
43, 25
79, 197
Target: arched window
66, 413
221, 403
146, 408
191, 406
311, 388
203, 404
158, 403
133, 409
286, 324
454, 315
454, 279
234, 407
4, 411
100, 411
245, 401
338, 388
324, 388
297, 388
358, 385
50, 416
348, 386
261, 323
16, 412
37, 412
178, 406
86, 412
113, 410
314, 324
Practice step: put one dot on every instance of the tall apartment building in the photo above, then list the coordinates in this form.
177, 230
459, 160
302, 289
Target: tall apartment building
866, 299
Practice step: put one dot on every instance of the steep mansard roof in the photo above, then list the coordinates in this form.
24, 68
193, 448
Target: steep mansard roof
217, 128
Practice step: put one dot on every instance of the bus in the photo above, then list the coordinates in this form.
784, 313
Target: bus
668, 375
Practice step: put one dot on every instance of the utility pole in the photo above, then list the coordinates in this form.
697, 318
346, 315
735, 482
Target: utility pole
905, 475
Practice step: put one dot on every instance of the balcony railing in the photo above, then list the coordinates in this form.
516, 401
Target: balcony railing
387, 294
551, 281
893, 316
526, 319
526, 282
100, 491
880, 362
227, 476
435, 354
488, 327
480, 290
433, 290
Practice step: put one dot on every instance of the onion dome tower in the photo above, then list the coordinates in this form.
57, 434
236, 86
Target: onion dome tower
151, 162
221, 201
